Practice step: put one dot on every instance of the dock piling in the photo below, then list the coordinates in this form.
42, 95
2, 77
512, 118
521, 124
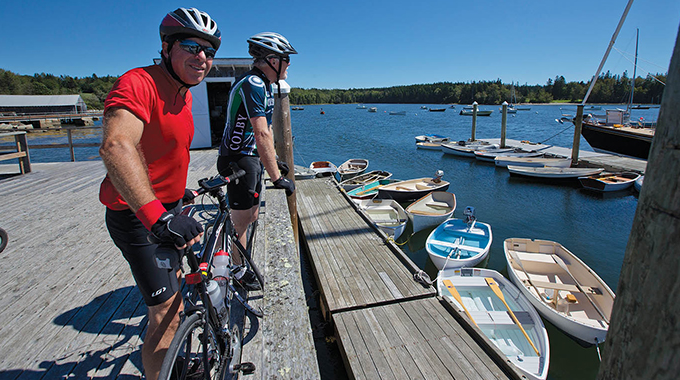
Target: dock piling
504, 123
577, 135
474, 121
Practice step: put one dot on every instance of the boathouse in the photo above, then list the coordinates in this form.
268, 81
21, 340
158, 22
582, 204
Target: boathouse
210, 99
42, 104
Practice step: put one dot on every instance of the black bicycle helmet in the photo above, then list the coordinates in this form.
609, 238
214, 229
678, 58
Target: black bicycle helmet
185, 22
264, 44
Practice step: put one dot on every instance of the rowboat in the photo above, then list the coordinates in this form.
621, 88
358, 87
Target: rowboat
386, 214
373, 109
302, 172
533, 161
511, 323
490, 155
552, 172
459, 242
467, 112
609, 182
562, 288
429, 145
437, 109
400, 113
369, 190
414, 188
352, 168
467, 150
431, 137
364, 179
323, 168
431, 210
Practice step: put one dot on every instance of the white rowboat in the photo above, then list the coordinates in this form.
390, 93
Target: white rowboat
562, 288
386, 214
323, 168
553, 172
609, 182
470, 292
533, 161
431, 210
455, 244
352, 168
411, 189
364, 179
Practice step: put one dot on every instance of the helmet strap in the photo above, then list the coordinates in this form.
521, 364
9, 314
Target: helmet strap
167, 61
278, 74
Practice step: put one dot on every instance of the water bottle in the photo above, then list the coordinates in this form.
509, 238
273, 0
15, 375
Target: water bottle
221, 270
216, 298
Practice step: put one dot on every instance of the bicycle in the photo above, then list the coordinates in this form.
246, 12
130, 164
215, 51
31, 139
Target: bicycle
205, 338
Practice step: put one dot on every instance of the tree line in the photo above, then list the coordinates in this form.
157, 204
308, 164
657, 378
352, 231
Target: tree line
609, 88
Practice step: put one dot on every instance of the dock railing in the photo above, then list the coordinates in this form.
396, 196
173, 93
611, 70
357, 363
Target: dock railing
70, 144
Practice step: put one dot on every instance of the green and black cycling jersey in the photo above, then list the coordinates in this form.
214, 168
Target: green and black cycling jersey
250, 97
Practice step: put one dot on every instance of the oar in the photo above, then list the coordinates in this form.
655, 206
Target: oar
454, 293
494, 286
562, 265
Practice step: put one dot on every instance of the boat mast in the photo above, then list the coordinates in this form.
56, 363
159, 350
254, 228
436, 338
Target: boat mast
609, 48
632, 86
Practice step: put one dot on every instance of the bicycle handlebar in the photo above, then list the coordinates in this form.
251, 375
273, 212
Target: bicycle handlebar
214, 183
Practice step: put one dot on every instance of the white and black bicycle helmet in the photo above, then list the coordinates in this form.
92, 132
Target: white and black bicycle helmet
184, 23
264, 44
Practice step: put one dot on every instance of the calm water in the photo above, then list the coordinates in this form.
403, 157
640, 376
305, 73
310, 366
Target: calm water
593, 226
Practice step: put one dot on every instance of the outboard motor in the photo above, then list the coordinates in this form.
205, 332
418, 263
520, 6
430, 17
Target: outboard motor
469, 215
438, 176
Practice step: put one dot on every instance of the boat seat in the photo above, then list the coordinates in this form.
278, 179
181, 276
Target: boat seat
438, 205
454, 245
536, 257
420, 186
567, 287
403, 188
501, 317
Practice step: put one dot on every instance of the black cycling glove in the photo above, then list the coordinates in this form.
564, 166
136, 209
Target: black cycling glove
283, 168
285, 183
189, 196
176, 229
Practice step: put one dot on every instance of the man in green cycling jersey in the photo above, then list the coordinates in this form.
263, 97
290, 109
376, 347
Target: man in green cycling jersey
147, 131
248, 140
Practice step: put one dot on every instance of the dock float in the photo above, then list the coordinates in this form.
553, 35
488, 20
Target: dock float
388, 326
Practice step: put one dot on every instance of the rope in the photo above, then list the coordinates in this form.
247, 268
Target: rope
390, 238
423, 278
541, 142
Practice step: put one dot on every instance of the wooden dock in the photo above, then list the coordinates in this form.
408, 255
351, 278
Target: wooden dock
69, 307
388, 325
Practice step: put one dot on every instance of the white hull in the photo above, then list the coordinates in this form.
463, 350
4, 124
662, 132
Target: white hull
609, 182
490, 314
429, 145
364, 179
431, 210
453, 244
467, 150
386, 214
352, 168
549, 287
491, 156
323, 168
411, 189
553, 172
302, 172
534, 162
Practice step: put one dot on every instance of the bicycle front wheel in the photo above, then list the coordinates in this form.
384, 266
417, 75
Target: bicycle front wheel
196, 350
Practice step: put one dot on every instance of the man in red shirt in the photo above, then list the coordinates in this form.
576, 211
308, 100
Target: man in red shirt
147, 131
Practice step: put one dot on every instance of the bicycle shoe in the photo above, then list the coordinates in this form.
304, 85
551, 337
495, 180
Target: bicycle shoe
249, 281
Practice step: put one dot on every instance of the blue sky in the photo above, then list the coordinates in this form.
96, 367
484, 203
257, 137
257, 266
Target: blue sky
355, 44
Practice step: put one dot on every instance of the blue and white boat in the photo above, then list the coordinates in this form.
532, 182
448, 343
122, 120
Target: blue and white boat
459, 242
511, 323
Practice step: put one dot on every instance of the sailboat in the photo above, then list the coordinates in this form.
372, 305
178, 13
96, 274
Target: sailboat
514, 104
616, 132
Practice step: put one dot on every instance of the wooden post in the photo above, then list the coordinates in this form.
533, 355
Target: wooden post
70, 144
22, 146
283, 143
504, 123
575, 146
645, 324
474, 121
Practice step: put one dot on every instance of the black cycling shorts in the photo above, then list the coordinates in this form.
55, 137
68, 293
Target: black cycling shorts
130, 236
244, 193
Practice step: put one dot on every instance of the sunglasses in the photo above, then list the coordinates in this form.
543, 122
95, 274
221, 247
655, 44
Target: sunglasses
284, 58
195, 48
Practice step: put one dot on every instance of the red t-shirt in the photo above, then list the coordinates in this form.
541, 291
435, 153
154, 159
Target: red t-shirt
151, 95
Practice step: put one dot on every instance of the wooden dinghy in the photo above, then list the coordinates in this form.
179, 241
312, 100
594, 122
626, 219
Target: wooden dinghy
431, 210
323, 168
459, 242
352, 168
386, 214
364, 179
553, 172
563, 289
609, 182
413, 189
533, 161
505, 315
